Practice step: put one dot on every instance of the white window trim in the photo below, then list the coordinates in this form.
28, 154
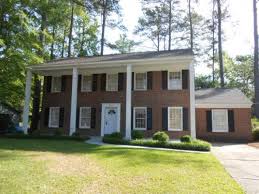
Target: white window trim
82, 83
136, 81
49, 125
168, 80
107, 82
168, 117
134, 119
52, 84
80, 113
213, 124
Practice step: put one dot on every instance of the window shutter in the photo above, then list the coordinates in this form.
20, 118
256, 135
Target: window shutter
93, 118
79, 83
132, 119
48, 84
164, 80
185, 79
46, 117
185, 119
149, 80
231, 121
77, 117
63, 83
120, 81
61, 117
149, 119
94, 82
165, 118
132, 81
209, 120
103, 82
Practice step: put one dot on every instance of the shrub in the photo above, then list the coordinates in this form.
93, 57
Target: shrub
186, 138
116, 135
114, 140
161, 136
58, 132
256, 134
76, 134
137, 134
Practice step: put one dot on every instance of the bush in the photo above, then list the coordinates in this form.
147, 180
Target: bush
256, 134
76, 134
137, 134
116, 135
58, 132
161, 136
114, 140
186, 138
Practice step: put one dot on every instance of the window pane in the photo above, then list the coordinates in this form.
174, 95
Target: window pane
220, 122
175, 118
56, 84
141, 81
175, 82
54, 117
85, 117
140, 118
87, 83
112, 82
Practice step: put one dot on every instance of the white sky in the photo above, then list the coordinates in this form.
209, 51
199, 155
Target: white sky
238, 29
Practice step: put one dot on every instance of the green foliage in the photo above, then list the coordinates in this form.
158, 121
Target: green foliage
117, 135
114, 140
58, 132
204, 81
76, 134
136, 134
256, 134
186, 138
160, 136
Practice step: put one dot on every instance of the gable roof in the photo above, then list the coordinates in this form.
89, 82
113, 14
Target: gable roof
221, 98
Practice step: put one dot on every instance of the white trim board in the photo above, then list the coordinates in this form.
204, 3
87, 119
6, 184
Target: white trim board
223, 105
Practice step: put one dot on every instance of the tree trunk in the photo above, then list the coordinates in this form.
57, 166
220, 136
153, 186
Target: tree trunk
256, 68
82, 41
103, 24
71, 29
191, 26
52, 44
221, 65
63, 43
170, 25
213, 43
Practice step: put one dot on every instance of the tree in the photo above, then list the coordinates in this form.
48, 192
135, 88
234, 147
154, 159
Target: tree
256, 68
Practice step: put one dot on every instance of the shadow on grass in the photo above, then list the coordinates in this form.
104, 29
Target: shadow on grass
131, 156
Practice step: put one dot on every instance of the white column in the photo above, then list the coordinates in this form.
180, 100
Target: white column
26, 108
73, 101
128, 102
192, 100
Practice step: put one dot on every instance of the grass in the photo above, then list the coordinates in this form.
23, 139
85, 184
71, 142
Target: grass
48, 166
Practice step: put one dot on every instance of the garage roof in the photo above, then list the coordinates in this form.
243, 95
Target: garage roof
221, 98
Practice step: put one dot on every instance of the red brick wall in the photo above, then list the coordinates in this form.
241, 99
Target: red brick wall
242, 119
155, 98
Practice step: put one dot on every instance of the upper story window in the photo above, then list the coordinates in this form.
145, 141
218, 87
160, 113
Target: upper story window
85, 118
86, 85
112, 82
56, 84
140, 81
54, 117
175, 118
174, 80
140, 118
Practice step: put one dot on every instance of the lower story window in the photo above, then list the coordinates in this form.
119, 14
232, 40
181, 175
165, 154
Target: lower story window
175, 118
219, 120
140, 118
85, 118
54, 117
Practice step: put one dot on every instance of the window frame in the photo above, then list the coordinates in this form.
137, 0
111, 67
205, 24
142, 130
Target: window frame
168, 80
107, 82
213, 124
168, 117
134, 119
135, 81
82, 83
52, 84
50, 117
80, 117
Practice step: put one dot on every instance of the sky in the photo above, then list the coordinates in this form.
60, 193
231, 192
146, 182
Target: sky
238, 28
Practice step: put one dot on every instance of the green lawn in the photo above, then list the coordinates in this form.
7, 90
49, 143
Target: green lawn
48, 166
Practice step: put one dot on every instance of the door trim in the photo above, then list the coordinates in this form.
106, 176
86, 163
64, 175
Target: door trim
107, 105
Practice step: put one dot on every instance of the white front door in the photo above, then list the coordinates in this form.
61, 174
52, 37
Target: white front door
110, 118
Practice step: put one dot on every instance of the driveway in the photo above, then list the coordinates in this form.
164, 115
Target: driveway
242, 162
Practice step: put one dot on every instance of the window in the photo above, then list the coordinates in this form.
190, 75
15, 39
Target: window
86, 85
85, 118
175, 118
56, 84
174, 81
140, 118
54, 117
140, 81
112, 82
220, 120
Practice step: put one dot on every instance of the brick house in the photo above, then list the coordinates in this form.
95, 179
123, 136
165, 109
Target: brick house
99, 95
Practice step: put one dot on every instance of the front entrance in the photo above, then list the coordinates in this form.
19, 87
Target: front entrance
110, 118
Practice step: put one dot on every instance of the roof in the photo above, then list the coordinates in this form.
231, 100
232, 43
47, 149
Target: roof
124, 57
221, 98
